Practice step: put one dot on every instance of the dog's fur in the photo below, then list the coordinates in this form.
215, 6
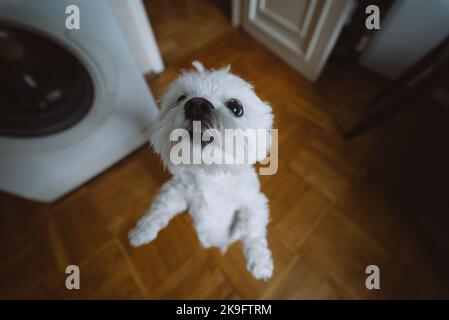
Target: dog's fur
225, 205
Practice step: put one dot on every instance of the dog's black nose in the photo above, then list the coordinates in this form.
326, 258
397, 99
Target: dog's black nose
196, 109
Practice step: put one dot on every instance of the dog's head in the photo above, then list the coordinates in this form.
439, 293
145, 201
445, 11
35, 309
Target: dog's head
209, 103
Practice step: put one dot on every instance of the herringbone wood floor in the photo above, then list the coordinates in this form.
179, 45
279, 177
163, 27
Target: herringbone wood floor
336, 206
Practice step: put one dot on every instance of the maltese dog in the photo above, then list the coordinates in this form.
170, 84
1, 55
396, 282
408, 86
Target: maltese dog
224, 199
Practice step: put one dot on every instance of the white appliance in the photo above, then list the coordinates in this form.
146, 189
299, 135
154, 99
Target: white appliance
408, 32
122, 108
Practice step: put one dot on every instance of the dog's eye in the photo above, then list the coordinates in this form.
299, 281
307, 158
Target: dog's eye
235, 107
181, 98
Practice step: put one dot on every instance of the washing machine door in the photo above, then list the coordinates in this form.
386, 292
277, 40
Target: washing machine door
53, 78
45, 89
46, 166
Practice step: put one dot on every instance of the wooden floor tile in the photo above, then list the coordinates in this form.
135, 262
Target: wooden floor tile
300, 221
306, 284
345, 250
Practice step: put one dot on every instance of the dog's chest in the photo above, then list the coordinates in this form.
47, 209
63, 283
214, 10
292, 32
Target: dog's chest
213, 211
213, 206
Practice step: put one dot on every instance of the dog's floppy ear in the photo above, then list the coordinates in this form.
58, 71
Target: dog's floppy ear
266, 143
198, 66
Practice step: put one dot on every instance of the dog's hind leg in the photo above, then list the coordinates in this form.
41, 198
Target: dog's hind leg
167, 204
254, 236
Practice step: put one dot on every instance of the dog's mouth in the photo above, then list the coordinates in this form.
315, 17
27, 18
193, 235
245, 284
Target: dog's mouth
200, 135
205, 143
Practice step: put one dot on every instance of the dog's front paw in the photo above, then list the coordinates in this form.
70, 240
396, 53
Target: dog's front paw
142, 234
261, 267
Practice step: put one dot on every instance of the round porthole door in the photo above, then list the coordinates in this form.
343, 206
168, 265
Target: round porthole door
44, 88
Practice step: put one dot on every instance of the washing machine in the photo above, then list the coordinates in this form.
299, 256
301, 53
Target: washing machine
72, 99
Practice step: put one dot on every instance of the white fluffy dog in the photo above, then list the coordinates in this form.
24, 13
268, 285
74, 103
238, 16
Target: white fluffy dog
225, 205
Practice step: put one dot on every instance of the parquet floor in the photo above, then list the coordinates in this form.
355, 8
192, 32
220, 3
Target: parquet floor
336, 206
